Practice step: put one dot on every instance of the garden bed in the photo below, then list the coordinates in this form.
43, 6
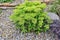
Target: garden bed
13, 3
8, 31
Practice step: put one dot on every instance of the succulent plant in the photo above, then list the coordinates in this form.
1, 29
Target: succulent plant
30, 17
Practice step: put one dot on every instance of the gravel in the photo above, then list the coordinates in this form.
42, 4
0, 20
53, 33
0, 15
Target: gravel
8, 31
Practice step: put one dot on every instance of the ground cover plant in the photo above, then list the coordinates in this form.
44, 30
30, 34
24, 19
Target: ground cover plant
4, 1
30, 17
55, 7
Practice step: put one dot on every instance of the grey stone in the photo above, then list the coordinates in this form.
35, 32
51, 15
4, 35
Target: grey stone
53, 16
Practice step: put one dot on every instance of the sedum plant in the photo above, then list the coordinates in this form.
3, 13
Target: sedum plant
30, 17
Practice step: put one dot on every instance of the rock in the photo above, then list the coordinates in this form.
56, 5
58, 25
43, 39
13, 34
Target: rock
53, 16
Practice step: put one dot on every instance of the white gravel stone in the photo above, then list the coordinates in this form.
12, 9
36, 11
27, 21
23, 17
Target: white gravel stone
53, 16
